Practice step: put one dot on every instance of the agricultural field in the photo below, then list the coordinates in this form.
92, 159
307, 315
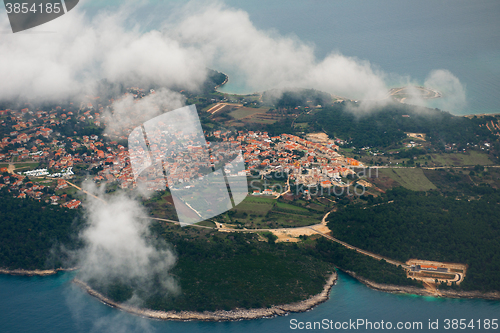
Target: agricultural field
254, 204
70, 190
411, 178
267, 212
253, 115
245, 112
286, 206
458, 159
21, 166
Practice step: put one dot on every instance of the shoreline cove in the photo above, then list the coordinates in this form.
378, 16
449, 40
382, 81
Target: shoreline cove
220, 315
218, 87
395, 289
279, 310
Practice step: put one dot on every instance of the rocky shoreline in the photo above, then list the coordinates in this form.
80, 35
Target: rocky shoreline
223, 83
36, 272
492, 295
220, 315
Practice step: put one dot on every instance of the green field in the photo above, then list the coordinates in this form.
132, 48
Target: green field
246, 112
291, 207
459, 159
255, 204
21, 166
412, 179
302, 125
260, 120
68, 190
267, 212
285, 220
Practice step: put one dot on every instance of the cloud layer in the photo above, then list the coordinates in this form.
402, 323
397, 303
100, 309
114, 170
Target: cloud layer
68, 55
449, 85
118, 245
266, 60
127, 112
83, 49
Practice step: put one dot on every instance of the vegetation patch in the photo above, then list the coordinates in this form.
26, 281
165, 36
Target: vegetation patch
460, 159
285, 206
223, 272
31, 233
430, 226
411, 178
244, 112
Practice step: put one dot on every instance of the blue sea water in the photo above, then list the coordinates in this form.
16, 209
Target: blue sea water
403, 38
400, 37
53, 304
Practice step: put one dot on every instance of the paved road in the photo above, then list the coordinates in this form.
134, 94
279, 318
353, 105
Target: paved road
314, 228
430, 168
370, 254
86, 192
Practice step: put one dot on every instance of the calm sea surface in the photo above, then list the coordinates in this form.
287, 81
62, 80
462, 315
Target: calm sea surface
53, 304
401, 37
406, 38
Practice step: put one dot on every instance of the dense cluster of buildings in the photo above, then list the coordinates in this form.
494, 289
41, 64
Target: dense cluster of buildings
39, 136
306, 162
22, 188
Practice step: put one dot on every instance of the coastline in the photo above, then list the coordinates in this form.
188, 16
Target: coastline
395, 289
223, 83
36, 272
480, 115
219, 315
233, 93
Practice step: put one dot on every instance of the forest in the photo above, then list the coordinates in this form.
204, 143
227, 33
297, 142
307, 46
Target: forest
387, 125
229, 270
32, 233
420, 225
222, 271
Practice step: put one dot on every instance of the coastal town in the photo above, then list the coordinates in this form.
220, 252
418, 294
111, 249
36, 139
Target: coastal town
38, 156
47, 154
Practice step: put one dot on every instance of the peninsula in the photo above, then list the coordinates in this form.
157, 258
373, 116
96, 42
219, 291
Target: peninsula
400, 198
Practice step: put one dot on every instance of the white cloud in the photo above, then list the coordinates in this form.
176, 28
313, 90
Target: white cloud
76, 51
267, 60
449, 85
118, 246
127, 113
82, 50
